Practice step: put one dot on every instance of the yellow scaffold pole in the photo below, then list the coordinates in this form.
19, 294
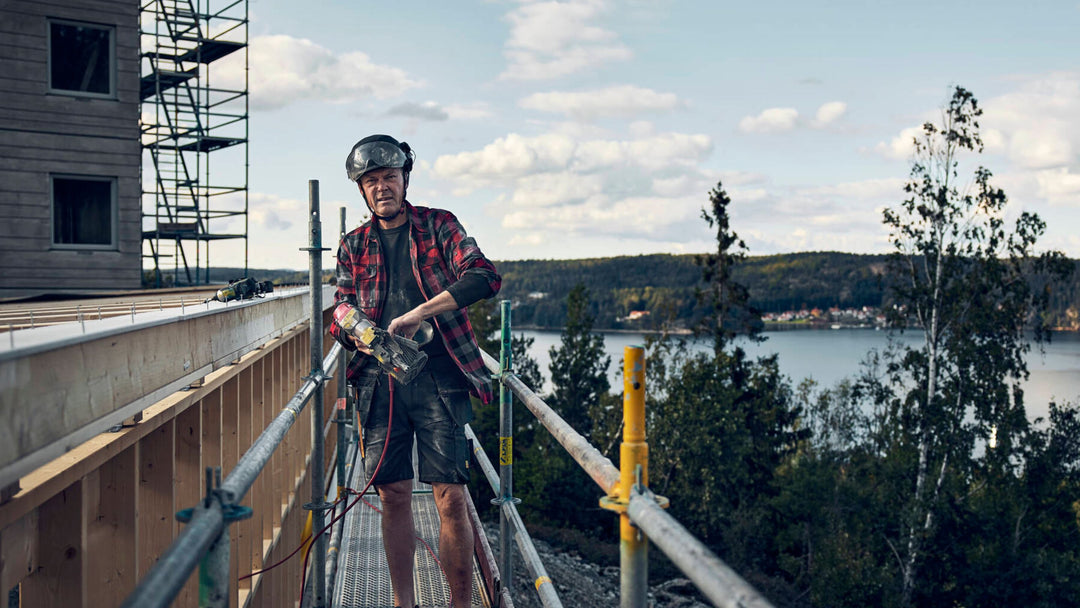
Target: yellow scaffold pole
634, 477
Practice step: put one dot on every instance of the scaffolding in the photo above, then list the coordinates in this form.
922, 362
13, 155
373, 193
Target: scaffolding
191, 114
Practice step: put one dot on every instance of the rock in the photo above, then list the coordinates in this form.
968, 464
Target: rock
580, 583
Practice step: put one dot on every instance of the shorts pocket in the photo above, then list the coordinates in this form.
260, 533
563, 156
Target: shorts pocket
455, 396
365, 391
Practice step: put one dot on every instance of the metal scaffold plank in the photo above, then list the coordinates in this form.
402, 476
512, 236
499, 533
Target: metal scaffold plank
363, 577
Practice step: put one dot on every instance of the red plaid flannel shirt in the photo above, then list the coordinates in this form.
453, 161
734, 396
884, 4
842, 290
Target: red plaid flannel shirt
440, 253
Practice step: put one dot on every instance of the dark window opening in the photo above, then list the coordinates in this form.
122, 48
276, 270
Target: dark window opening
80, 58
82, 211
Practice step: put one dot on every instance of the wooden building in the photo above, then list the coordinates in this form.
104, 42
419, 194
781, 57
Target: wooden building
70, 211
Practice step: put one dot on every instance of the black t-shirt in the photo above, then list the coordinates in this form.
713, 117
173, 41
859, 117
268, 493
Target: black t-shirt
403, 294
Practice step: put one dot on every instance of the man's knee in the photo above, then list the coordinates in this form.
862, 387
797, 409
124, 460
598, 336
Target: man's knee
450, 499
397, 494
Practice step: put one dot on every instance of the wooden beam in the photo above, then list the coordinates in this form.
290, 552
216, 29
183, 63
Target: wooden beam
110, 532
18, 550
156, 506
60, 576
189, 483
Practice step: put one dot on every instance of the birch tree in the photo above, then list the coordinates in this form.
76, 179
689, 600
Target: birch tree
958, 273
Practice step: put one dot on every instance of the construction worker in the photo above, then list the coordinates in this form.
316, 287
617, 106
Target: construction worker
405, 265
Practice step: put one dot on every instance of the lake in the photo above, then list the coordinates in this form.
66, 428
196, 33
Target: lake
828, 356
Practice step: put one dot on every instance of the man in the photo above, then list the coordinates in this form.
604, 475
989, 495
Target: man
405, 265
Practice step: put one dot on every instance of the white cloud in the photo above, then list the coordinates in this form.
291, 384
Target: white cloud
1038, 121
829, 113
286, 69
1059, 186
274, 213
1035, 148
508, 157
623, 100
515, 156
1034, 127
549, 189
552, 39
780, 120
871, 189
900, 147
772, 120
647, 187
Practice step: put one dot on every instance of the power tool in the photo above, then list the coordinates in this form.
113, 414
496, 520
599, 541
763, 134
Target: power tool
243, 289
397, 355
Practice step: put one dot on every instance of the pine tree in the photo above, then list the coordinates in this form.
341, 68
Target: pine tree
727, 302
579, 366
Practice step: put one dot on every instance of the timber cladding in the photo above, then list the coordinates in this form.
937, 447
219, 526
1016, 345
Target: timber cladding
76, 122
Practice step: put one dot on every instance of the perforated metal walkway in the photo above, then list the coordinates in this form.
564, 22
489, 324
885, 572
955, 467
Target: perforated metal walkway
363, 580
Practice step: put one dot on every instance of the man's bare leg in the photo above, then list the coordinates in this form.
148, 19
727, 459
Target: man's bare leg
455, 541
399, 538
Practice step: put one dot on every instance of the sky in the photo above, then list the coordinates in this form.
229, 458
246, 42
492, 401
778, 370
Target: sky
591, 128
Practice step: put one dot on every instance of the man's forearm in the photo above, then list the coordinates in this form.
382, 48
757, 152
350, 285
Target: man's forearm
407, 324
443, 302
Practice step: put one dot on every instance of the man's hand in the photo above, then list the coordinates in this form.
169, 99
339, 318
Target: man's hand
407, 324
360, 346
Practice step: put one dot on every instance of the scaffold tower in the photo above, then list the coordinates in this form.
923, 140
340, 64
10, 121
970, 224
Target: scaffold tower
194, 123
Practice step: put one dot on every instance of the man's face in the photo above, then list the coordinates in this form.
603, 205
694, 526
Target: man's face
384, 190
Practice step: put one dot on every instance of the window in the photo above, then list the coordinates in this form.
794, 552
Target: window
84, 212
82, 59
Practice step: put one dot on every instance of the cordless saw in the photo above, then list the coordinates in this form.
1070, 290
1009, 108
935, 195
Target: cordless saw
397, 355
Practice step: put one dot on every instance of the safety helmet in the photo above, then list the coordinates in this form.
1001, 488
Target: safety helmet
378, 152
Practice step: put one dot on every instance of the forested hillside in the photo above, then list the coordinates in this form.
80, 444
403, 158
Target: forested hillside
664, 286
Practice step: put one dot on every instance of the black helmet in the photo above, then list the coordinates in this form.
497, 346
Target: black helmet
378, 152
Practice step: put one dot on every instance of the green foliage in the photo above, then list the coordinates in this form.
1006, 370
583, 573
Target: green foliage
579, 365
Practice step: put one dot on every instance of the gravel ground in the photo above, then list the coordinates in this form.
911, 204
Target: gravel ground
582, 584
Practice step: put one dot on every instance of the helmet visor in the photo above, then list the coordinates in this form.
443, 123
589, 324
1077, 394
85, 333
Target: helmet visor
373, 155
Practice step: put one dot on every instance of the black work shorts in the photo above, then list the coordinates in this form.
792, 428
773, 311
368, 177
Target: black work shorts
434, 408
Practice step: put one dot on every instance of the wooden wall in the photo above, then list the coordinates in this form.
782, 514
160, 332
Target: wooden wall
86, 527
43, 133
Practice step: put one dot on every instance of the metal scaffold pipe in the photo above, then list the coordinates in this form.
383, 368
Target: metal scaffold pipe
633, 476
598, 466
541, 581
506, 454
318, 482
